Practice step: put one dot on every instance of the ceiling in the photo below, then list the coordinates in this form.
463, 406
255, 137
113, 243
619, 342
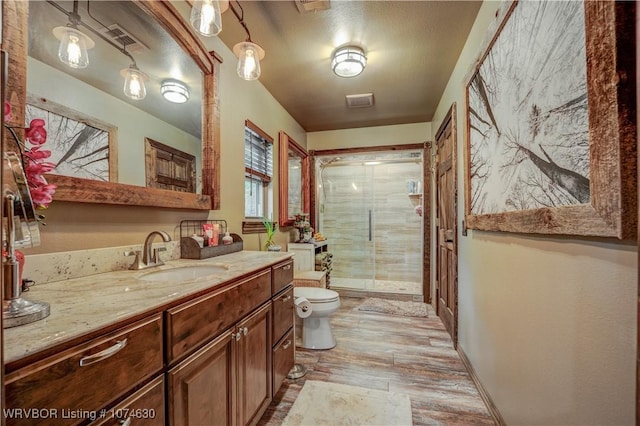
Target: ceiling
411, 49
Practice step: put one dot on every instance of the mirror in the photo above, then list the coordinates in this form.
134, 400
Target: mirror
294, 180
158, 27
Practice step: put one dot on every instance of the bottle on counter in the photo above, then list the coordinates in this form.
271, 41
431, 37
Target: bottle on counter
227, 239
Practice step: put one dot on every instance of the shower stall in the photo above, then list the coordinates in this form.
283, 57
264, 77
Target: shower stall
368, 208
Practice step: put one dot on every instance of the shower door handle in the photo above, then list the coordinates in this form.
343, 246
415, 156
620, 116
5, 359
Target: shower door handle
370, 229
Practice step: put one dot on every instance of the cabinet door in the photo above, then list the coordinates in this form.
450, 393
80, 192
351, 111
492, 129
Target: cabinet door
144, 408
283, 314
254, 365
283, 360
201, 388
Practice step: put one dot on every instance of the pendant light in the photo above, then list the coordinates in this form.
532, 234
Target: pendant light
134, 80
73, 42
206, 17
249, 56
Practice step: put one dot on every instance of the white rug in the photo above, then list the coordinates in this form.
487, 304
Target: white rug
322, 403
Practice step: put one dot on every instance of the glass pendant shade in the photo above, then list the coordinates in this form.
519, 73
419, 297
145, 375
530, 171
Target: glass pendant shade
348, 61
73, 46
206, 17
249, 56
134, 80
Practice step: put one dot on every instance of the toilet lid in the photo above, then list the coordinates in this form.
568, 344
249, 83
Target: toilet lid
314, 294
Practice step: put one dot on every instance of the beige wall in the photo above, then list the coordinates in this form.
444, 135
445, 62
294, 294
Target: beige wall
400, 134
75, 226
549, 323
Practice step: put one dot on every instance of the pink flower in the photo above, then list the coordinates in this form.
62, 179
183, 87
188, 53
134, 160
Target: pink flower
38, 168
41, 191
35, 153
36, 133
42, 195
7, 111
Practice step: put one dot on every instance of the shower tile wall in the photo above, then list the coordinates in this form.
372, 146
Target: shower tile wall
351, 191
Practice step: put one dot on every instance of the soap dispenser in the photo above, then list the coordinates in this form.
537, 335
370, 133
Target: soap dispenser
227, 239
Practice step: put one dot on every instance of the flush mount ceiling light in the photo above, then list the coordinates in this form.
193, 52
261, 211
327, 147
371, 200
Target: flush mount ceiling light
348, 61
174, 91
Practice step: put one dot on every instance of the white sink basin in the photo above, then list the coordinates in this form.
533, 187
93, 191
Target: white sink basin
183, 273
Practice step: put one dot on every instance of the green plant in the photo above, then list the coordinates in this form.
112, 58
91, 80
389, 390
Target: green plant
270, 226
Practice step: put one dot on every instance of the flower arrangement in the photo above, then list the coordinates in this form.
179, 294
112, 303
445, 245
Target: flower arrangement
33, 159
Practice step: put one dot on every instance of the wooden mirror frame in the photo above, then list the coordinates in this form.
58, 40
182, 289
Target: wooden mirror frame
15, 40
285, 145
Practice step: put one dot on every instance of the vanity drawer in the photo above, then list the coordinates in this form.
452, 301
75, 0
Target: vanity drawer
145, 407
87, 377
282, 314
193, 323
283, 360
282, 276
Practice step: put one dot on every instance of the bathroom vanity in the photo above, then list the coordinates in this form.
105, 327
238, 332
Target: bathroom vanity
209, 350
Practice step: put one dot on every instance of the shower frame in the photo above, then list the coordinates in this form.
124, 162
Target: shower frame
426, 194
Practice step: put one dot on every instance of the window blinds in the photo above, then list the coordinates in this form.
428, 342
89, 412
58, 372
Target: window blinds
258, 158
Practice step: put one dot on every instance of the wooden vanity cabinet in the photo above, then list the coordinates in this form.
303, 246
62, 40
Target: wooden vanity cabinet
210, 360
283, 320
65, 388
227, 381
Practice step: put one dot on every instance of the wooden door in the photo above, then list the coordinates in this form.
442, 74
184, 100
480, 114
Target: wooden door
254, 365
446, 233
202, 387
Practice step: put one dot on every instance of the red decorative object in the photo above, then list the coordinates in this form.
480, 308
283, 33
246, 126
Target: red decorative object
33, 159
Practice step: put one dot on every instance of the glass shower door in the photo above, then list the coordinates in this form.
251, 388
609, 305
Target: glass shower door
346, 217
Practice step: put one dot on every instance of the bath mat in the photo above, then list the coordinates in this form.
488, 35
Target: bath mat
322, 403
394, 307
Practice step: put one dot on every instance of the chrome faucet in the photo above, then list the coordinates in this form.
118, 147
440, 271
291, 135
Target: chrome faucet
149, 257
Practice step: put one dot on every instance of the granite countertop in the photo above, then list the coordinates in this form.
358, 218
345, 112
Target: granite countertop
86, 304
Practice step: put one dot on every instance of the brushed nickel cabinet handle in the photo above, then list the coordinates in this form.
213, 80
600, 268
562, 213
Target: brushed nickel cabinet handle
236, 336
285, 298
286, 268
102, 355
244, 330
286, 344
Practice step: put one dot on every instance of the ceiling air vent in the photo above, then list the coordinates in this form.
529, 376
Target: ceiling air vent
123, 38
308, 6
363, 100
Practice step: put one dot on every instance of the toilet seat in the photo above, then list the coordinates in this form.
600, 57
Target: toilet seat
316, 295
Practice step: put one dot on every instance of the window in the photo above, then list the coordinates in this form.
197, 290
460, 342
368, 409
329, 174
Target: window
258, 167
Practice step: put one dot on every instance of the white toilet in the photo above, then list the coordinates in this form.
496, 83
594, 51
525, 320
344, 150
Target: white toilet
316, 329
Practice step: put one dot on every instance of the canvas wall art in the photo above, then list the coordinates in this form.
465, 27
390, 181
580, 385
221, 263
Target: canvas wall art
80, 146
546, 124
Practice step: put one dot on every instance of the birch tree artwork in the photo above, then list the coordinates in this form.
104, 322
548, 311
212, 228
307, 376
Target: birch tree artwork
77, 149
528, 112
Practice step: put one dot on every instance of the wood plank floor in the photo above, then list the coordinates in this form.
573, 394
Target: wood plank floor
414, 356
